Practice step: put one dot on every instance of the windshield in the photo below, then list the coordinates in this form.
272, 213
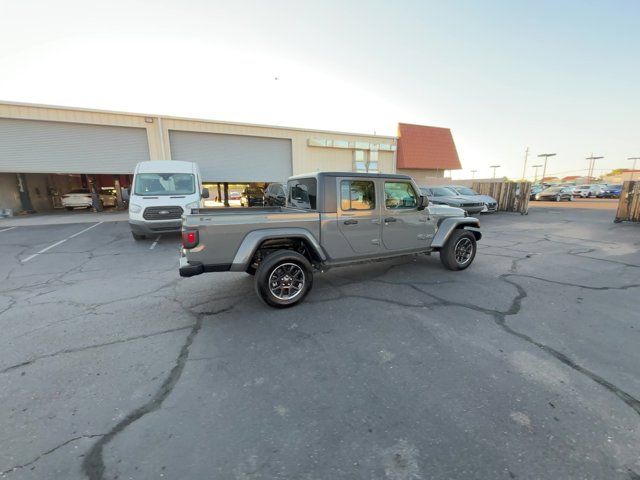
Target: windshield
165, 184
465, 191
553, 190
441, 192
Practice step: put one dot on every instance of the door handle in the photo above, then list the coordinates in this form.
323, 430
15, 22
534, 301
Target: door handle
350, 222
389, 220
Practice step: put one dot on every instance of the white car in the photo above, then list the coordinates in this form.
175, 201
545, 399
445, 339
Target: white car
587, 191
81, 197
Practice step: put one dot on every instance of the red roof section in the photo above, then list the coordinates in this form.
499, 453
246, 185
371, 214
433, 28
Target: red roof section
427, 148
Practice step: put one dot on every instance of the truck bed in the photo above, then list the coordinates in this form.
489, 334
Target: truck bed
221, 230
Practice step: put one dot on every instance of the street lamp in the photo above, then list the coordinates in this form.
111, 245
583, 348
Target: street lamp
592, 163
494, 169
633, 169
473, 174
535, 178
546, 157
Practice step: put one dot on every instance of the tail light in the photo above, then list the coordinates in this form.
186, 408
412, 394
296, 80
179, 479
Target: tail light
190, 239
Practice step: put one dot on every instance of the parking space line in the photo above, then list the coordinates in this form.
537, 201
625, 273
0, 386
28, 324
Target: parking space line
59, 242
7, 229
153, 245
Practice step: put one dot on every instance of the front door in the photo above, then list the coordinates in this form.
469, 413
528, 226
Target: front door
358, 215
404, 227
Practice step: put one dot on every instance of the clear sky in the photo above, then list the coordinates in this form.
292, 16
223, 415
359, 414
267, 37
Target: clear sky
558, 76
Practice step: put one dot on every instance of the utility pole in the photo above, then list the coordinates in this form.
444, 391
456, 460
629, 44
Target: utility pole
494, 169
546, 157
473, 174
524, 169
592, 163
633, 169
535, 178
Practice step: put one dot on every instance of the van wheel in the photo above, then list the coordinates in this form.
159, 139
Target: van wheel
137, 237
459, 251
284, 278
69, 208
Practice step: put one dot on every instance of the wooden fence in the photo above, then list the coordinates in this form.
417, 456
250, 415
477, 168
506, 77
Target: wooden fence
511, 196
629, 203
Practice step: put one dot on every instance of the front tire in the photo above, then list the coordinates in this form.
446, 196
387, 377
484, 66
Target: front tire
459, 251
284, 279
137, 237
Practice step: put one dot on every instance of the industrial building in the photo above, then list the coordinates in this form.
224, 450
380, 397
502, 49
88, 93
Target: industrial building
46, 151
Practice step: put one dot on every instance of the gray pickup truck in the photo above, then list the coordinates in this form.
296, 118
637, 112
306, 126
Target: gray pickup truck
331, 219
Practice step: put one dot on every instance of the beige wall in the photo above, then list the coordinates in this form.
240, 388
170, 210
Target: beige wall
305, 158
425, 177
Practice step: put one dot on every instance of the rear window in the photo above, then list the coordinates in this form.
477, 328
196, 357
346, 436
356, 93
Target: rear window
303, 193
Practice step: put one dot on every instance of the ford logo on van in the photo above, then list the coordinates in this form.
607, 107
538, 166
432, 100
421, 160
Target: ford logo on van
164, 212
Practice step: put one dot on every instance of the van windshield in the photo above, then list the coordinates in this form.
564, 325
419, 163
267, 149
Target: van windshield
165, 184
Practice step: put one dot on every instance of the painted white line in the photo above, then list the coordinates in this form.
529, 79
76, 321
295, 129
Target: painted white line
7, 229
153, 245
58, 243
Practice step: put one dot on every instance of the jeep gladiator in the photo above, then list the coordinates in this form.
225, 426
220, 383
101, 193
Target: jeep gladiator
331, 219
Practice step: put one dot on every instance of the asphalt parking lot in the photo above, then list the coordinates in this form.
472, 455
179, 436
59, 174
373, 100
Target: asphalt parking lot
524, 366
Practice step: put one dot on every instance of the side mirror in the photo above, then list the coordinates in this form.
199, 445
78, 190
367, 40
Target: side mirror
205, 193
423, 202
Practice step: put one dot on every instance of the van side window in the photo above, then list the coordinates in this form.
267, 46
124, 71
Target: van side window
398, 195
357, 195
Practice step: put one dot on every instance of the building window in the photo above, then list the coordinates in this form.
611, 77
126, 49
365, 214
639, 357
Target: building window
365, 162
357, 195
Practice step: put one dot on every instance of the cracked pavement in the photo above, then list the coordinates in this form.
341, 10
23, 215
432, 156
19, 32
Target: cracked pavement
525, 366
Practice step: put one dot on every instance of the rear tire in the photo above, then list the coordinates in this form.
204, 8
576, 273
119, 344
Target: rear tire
137, 237
69, 208
284, 279
459, 251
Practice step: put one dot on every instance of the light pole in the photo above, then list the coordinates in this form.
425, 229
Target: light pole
494, 169
473, 174
524, 169
633, 169
535, 178
546, 157
592, 163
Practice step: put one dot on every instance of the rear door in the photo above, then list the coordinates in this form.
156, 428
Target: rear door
404, 227
359, 214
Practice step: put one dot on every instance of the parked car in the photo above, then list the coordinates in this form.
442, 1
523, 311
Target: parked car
109, 196
490, 203
252, 197
234, 196
555, 194
446, 196
610, 191
535, 189
587, 191
275, 195
82, 198
368, 217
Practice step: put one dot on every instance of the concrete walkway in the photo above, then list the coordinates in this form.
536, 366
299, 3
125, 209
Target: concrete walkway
64, 217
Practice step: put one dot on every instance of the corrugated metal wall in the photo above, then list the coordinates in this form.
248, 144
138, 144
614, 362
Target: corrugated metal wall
33, 146
234, 158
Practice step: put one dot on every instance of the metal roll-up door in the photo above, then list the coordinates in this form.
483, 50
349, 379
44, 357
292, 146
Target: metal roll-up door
33, 146
233, 158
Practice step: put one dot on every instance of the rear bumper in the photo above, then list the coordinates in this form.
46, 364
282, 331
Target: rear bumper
142, 227
196, 268
189, 270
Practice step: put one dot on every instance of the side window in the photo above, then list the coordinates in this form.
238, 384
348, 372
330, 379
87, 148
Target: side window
398, 195
303, 193
357, 195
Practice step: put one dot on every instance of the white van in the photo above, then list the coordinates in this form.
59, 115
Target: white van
161, 191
